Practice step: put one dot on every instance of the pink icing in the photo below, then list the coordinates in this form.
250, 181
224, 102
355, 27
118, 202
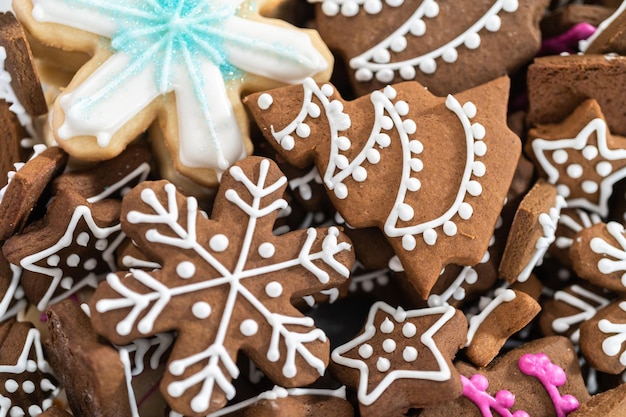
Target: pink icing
551, 377
568, 41
475, 389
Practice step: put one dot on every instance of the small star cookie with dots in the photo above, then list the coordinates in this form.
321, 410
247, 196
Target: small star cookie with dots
402, 359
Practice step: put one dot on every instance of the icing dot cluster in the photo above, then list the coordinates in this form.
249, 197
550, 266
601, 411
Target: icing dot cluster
389, 345
378, 62
349, 8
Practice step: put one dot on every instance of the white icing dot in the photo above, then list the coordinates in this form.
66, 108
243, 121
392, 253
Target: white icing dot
563, 190
66, 283
303, 130
416, 146
53, 260
394, 3
493, 23
28, 387
430, 236
449, 228
343, 143
389, 345
574, 171
478, 168
185, 269
469, 109
373, 156
386, 123
363, 75
409, 330
365, 351
349, 9
480, 148
413, 184
409, 354
287, 142
313, 109
428, 66
201, 310
390, 92
472, 40
264, 101
408, 242
384, 75
341, 161
474, 188
266, 250
478, 131
431, 9
218, 243
416, 164
405, 212
73, 260
383, 364
418, 27
273, 289
11, 386
328, 90
398, 44
330, 8
34, 410
604, 168
590, 152
510, 5
359, 174
559, 156
465, 211
409, 126
31, 365
16, 411
450, 55
248, 327
402, 107
341, 191
386, 326
589, 187
372, 6
381, 56
383, 140
407, 72
90, 264
82, 239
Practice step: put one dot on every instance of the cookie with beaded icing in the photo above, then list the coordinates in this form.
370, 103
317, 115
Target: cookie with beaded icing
532, 232
225, 285
602, 338
432, 173
447, 46
539, 378
159, 64
597, 254
402, 359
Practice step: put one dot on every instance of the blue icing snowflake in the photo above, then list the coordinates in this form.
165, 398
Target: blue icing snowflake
202, 51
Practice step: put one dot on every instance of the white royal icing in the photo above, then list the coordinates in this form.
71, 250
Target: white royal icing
612, 345
600, 246
217, 360
502, 295
563, 324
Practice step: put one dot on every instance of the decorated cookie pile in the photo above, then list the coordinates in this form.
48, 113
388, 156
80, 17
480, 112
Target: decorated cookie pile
334, 207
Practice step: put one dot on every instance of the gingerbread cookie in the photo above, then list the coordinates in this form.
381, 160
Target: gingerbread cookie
444, 45
402, 359
602, 338
183, 65
532, 232
225, 285
540, 378
559, 84
597, 255
571, 222
448, 163
581, 157
607, 403
610, 36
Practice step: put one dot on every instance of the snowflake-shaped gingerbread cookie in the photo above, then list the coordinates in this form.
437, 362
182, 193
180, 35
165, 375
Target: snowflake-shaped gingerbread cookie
181, 62
225, 285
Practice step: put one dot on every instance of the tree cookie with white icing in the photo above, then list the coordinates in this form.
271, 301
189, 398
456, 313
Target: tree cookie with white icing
182, 64
432, 173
